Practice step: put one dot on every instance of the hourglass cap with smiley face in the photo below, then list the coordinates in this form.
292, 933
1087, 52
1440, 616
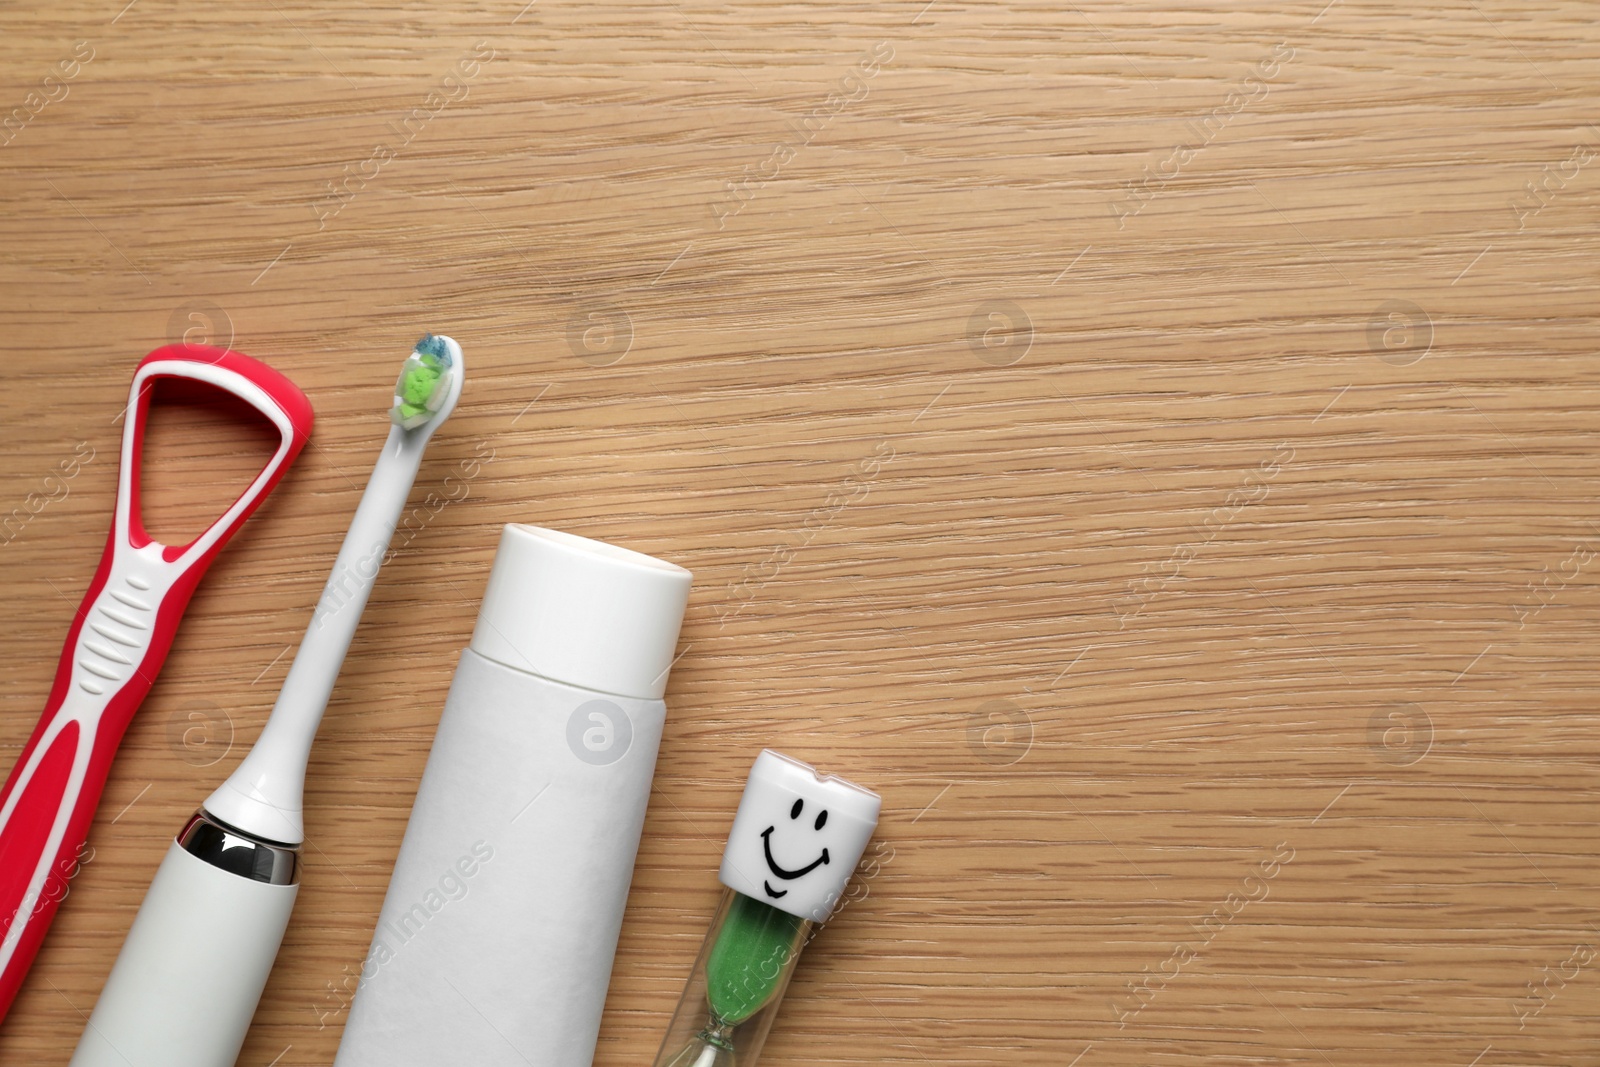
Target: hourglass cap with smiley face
798, 836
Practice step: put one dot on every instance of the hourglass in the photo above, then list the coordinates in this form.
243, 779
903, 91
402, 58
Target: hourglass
794, 844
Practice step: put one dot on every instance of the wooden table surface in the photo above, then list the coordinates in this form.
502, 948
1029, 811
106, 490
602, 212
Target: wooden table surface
1152, 444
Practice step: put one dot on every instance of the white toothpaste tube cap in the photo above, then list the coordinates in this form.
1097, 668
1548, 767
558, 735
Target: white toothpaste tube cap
582, 612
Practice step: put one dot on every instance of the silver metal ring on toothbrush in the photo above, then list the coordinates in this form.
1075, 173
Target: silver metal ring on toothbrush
246, 855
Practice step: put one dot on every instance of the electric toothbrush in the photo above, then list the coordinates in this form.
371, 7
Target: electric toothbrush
186, 985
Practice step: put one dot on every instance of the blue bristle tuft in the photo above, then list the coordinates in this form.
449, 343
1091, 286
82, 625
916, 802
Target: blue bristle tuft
435, 347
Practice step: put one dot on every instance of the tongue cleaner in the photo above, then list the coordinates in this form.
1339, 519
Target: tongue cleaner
115, 647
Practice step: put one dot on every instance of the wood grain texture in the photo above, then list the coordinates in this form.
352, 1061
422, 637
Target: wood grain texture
1217, 619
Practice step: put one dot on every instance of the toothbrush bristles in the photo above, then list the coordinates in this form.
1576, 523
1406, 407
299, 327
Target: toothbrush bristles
424, 383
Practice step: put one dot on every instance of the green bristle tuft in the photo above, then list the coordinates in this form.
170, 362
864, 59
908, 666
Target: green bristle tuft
417, 385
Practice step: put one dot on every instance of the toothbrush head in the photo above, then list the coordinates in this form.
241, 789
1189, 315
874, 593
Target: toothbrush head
430, 381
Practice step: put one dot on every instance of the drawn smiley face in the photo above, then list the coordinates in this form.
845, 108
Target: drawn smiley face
785, 874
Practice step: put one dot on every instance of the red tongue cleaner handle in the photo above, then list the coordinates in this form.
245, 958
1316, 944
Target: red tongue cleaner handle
118, 641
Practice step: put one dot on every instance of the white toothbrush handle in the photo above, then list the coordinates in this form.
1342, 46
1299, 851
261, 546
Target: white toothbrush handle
189, 977
355, 571
275, 766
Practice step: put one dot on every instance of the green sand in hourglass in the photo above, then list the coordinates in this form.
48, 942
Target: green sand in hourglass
749, 959
753, 949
